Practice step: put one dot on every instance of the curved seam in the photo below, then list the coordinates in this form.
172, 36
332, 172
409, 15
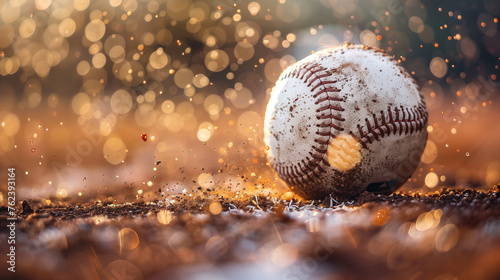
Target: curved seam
310, 75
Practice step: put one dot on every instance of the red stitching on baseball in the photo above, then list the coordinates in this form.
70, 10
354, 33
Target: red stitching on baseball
411, 122
309, 75
331, 116
329, 125
324, 83
336, 108
328, 97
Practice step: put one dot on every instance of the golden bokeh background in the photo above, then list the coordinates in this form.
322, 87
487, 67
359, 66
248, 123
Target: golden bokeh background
81, 82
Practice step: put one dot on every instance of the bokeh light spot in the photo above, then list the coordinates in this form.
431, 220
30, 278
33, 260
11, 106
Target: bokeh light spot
114, 150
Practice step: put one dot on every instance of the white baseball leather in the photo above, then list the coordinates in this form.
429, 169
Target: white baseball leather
343, 119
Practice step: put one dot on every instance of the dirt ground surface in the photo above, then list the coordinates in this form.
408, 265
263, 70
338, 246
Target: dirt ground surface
448, 234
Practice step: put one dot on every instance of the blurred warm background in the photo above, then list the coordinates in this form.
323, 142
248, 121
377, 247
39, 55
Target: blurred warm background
132, 100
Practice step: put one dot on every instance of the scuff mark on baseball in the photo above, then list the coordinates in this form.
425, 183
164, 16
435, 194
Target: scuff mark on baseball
344, 120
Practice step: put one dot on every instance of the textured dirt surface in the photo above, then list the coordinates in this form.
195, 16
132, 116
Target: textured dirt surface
449, 234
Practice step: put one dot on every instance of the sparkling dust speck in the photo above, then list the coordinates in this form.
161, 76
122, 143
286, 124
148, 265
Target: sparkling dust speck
144, 137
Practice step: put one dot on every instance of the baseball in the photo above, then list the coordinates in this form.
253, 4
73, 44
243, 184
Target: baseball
344, 120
